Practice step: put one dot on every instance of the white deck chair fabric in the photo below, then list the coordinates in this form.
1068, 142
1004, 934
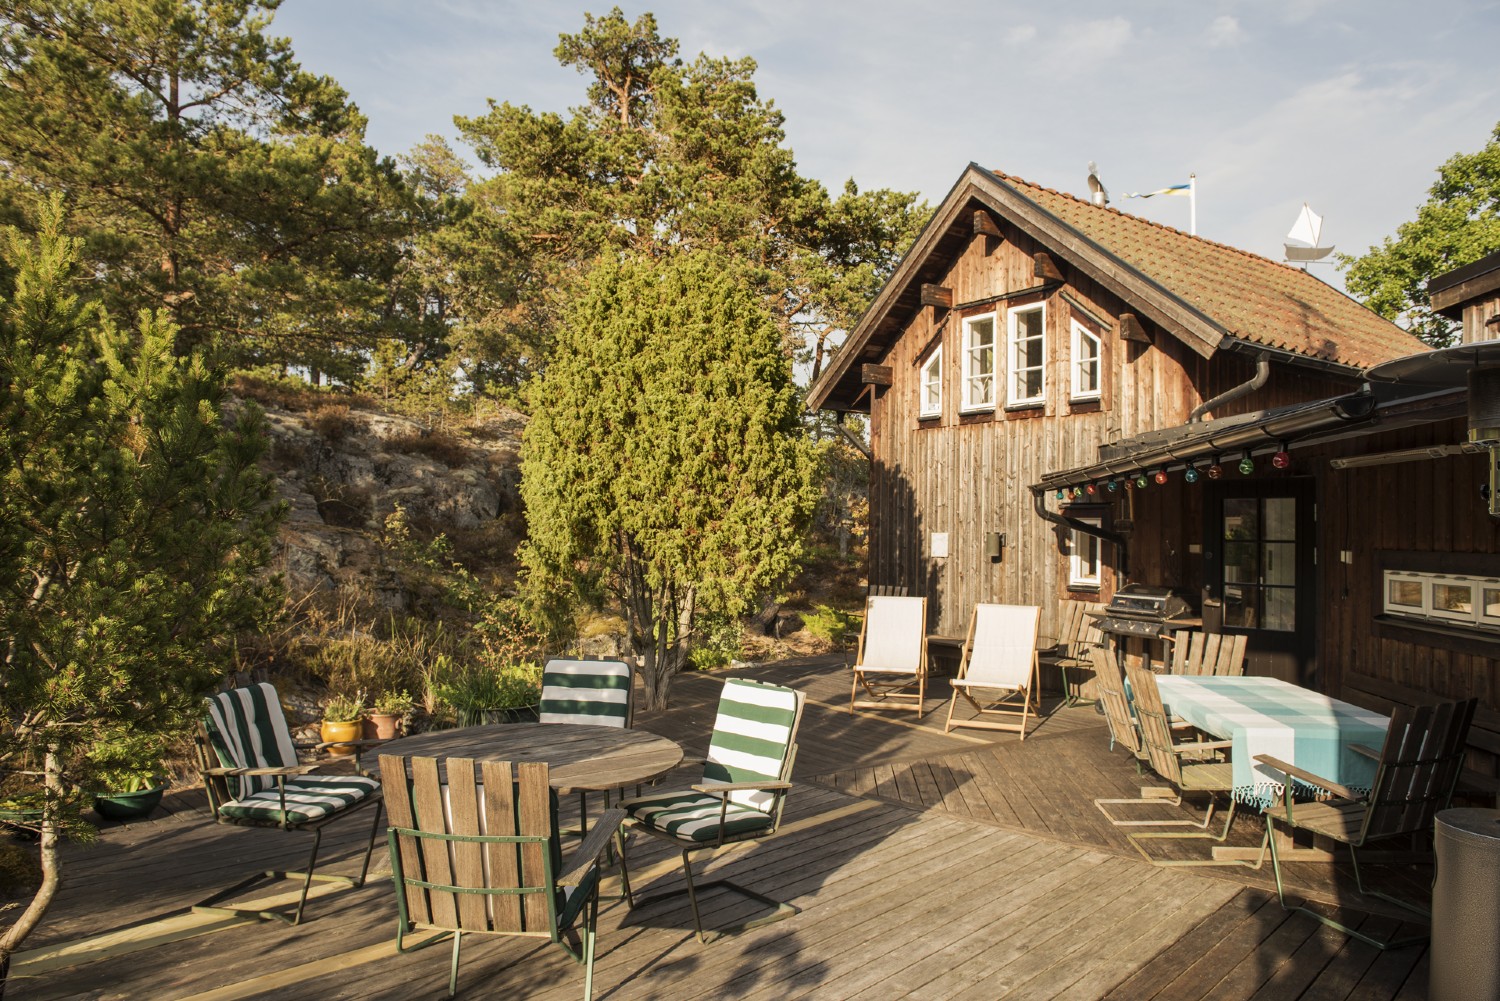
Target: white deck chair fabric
1000, 661
891, 668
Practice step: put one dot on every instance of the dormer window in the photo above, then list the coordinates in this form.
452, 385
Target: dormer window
979, 362
930, 385
1085, 362
1028, 355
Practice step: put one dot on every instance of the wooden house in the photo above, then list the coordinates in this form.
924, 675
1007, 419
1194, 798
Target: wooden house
1026, 329
1359, 551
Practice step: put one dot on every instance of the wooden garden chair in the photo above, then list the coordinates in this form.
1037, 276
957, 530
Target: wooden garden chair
1078, 636
589, 693
253, 778
999, 667
1207, 654
1417, 769
1125, 732
891, 664
746, 778
1182, 765
475, 851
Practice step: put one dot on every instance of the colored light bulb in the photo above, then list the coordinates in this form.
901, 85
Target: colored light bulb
1160, 477
1281, 460
1247, 465
1140, 480
1114, 485
1059, 494
1190, 474
1090, 489
1078, 491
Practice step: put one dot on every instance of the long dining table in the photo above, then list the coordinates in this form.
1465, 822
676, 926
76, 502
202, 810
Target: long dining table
1270, 716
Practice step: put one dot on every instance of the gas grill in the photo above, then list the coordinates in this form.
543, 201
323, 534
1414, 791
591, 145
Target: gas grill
1146, 611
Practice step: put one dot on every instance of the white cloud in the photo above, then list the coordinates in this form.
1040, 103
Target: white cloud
1093, 40
1225, 30
1020, 34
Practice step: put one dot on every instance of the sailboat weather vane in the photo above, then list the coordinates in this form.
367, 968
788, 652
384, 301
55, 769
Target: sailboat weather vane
1304, 239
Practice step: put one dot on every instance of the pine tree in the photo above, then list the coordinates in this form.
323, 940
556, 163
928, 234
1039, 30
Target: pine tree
665, 459
133, 524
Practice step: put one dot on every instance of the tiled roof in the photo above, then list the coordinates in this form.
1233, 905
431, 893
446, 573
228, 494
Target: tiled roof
1248, 296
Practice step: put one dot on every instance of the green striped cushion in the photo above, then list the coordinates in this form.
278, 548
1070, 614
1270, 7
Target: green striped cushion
752, 736
586, 691
248, 730
308, 798
693, 816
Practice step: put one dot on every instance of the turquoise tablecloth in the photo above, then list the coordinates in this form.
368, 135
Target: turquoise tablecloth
1268, 716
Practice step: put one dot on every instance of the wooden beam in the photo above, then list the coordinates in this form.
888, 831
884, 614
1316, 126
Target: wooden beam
937, 295
1131, 329
1046, 268
985, 225
876, 375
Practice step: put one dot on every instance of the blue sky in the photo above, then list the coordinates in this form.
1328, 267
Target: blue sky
1347, 104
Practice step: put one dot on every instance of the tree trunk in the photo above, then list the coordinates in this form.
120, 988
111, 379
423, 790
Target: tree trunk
32, 916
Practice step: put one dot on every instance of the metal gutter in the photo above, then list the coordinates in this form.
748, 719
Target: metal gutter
1262, 373
1121, 544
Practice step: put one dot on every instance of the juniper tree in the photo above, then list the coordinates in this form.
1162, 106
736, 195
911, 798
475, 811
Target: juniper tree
664, 461
133, 522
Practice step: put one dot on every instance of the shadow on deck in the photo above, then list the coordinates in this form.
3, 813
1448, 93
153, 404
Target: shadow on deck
942, 865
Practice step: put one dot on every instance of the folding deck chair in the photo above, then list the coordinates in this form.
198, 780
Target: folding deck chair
892, 657
1000, 662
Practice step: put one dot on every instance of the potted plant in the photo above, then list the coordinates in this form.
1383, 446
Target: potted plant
128, 778
385, 718
508, 694
342, 716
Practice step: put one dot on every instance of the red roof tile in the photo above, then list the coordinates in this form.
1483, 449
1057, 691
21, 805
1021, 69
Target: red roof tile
1247, 295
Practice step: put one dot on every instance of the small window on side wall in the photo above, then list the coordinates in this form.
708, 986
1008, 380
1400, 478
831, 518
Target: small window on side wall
979, 363
1086, 362
1028, 355
930, 386
1084, 560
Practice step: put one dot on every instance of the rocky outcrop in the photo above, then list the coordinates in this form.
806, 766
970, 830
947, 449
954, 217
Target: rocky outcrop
343, 470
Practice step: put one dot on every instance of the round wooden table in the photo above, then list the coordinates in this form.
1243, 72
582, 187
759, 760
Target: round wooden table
579, 758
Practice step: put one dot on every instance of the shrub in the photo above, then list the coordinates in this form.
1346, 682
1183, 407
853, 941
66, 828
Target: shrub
832, 624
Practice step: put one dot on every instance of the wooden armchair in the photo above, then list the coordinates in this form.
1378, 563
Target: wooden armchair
1417, 769
1077, 636
472, 858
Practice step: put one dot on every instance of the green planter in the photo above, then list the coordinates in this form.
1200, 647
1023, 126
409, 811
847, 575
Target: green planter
128, 805
523, 714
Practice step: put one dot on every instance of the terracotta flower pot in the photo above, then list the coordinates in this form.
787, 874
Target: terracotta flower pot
340, 731
382, 726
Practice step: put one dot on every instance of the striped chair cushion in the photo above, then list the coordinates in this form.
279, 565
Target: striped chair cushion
752, 737
308, 798
693, 816
586, 691
248, 730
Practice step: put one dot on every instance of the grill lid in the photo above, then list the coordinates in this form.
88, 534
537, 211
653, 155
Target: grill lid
1143, 601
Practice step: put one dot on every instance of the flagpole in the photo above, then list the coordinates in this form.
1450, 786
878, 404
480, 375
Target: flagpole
1192, 204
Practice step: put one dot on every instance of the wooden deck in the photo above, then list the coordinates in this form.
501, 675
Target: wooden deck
967, 864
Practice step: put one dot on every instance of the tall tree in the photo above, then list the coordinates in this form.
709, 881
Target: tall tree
133, 524
665, 458
674, 154
1459, 224
207, 173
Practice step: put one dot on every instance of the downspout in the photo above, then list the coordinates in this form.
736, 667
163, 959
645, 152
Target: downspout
1262, 373
1122, 546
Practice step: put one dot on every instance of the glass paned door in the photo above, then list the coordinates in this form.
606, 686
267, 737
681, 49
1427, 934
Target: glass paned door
1259, 569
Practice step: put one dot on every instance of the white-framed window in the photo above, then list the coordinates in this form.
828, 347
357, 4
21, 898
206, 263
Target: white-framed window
1027, 342
979, 362
1442, 597
1086, 361
1083, 558
930, 385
